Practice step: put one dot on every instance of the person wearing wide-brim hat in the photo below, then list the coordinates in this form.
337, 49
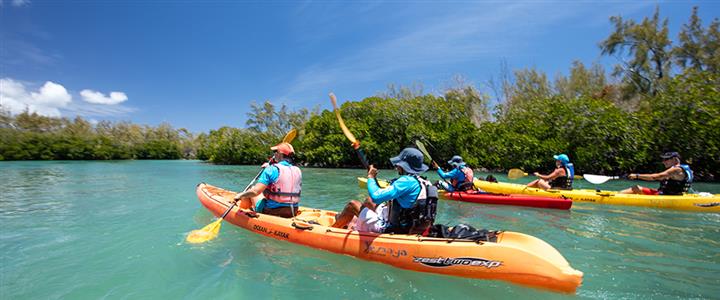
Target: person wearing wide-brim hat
461, 176
675, 180
560, 178
375, 214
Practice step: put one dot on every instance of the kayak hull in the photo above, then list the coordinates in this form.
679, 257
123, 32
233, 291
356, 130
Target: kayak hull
515, 257
497, 199
514, 200
687, 202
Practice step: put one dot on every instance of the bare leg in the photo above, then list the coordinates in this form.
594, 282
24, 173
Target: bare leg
534, 183
543, 184
632, 190
351, 209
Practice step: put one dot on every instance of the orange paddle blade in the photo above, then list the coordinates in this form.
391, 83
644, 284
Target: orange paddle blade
344, 128
290, 136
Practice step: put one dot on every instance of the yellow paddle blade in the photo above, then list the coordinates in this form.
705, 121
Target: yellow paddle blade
344, 128
421, 146
516, 173
290, 136
205, 234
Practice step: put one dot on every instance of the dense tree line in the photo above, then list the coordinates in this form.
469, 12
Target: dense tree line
660, 97
29, 136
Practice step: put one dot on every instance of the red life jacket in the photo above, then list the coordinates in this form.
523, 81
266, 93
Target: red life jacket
287, 188
469, 176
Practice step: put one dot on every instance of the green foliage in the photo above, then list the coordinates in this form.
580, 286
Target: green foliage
699, 48
229, 145
29, 136
686, 119
648, 53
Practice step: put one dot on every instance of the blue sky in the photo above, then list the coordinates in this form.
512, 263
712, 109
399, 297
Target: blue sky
199, 64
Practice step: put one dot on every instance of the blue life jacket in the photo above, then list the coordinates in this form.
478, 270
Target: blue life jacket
564, 182
677, 187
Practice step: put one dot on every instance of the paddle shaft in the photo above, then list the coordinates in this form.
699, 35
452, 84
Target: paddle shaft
422, 148
246, 188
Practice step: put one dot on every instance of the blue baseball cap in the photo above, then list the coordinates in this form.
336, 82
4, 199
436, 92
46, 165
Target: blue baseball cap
564, 159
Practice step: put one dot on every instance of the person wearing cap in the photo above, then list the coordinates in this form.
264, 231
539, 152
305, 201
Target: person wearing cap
402, 207
560, 178
277, 190
675, 180
461, 176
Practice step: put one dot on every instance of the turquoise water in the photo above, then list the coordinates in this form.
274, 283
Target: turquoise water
89, 230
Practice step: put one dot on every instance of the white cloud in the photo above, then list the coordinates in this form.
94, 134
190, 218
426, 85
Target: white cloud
53, 100
100, 98
46, 101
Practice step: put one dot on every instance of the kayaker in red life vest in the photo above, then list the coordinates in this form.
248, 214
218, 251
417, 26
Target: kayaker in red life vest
560, 178
277, 191
461, 176
676, 180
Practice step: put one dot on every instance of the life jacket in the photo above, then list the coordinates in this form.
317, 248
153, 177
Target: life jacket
420, 217
564, 182
469, 177
287, 188
677, 187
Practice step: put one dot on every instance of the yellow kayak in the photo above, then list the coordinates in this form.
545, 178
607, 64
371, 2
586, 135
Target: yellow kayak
689, 202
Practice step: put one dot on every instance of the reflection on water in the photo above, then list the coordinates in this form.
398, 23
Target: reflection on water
80, 230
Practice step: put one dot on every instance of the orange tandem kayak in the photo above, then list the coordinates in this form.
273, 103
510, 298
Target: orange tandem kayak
515, 257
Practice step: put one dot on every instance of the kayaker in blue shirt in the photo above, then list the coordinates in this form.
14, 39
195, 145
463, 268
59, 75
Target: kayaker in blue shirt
461, 176
277, 191
404, 194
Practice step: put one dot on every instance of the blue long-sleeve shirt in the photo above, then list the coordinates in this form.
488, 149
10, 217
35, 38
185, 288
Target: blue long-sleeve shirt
455, 173
405, 189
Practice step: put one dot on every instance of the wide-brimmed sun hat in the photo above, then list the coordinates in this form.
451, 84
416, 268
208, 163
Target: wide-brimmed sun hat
456, 160
410, 160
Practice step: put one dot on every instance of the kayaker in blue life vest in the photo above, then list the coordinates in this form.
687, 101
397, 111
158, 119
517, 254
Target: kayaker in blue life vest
277, 190
461, 176
560, 178
410, 200
675, 180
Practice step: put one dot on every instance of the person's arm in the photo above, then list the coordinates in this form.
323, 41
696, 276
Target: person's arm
555, 174
445, 175
268, 176
656, 176
255, 190
377, 194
